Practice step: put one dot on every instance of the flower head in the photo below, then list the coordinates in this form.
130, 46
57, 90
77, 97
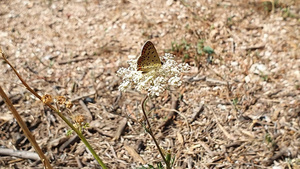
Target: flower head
60, 99
155, 81
47, 99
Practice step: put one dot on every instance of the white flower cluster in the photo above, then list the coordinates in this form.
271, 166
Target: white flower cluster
155, 81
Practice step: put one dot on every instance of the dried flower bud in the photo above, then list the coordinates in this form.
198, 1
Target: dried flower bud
68, 104
79, 119
61, 99
47, 99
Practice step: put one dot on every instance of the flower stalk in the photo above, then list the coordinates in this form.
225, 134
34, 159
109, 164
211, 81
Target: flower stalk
149, 130
154, 83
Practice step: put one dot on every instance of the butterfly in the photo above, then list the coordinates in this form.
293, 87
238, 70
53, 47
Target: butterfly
149, 59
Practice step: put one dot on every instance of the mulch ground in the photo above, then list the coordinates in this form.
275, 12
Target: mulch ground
238, 107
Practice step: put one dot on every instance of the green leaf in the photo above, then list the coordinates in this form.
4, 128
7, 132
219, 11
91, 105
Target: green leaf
235, 101
208, 50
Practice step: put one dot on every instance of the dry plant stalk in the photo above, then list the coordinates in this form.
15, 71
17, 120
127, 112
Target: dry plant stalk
23, 125
47, 100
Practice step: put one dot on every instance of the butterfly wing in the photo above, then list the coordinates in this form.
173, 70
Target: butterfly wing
149, 58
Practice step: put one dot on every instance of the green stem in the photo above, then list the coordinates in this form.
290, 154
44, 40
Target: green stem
80, 135
149, 130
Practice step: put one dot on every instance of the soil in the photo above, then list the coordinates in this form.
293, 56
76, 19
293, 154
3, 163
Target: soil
238, 106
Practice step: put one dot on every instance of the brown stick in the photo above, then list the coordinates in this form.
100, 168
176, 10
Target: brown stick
121, 128
196, 113
73, 60
21, 154
25, 129
278, 155
88, 112
134, 154
172, 114
71, 140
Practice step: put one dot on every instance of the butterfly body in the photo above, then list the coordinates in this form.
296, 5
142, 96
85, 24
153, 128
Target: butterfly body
149, 59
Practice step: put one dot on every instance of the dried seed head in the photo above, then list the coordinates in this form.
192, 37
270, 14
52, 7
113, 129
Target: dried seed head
68, 104
47, 99
79, 119
60, 99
